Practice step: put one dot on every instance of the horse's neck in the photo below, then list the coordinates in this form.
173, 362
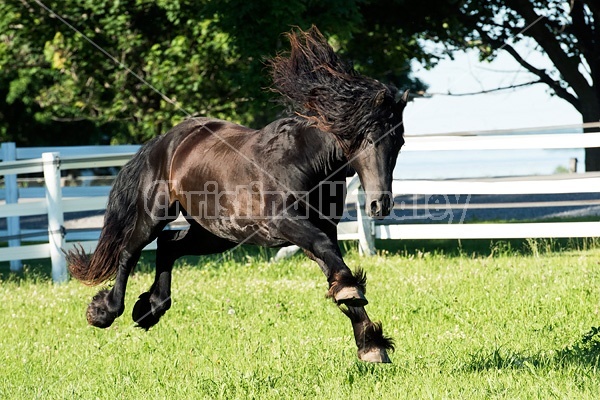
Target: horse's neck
329, 160
314, 152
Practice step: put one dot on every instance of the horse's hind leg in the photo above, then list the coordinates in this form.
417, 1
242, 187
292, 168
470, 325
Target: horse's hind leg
107, 305
171, 245
153, 304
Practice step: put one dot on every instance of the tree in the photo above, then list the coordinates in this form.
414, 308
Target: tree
567, 32
394, 30
53, 79
205, 58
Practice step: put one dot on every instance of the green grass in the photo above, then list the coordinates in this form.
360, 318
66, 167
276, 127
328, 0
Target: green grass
509, 322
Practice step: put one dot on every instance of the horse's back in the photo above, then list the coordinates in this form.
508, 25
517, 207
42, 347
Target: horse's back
207, 145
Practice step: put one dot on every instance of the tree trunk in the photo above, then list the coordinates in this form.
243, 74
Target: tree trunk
592, 155
592, 159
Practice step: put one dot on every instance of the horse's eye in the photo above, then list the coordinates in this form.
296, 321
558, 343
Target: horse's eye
369, 140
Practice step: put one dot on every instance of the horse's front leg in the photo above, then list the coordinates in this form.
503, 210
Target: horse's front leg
345, 288
370, 340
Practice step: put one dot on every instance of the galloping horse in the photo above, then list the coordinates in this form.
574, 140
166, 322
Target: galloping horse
263, 187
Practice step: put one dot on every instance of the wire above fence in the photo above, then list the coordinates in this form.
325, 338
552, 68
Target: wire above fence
499, 142
512, 131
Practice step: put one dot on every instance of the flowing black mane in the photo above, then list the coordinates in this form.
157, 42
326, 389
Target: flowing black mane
325, 89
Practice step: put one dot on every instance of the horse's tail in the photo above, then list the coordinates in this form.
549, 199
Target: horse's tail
119, 222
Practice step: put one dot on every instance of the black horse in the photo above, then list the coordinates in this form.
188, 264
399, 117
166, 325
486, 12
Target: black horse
280, 185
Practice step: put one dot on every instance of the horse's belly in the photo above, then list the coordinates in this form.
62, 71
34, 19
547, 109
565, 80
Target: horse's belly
239, 217
241, 230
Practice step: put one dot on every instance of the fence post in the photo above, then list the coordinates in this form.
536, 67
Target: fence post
55, 215
366, 235
13, 227
285, 252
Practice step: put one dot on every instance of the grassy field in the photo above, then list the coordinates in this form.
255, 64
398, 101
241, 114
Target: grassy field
502, 323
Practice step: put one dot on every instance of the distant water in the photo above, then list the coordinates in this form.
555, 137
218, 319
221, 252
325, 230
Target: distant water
484, 163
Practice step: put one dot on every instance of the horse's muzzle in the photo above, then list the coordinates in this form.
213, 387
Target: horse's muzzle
381, 207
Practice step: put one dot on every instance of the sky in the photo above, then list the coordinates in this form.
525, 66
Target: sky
529, 106
526, 107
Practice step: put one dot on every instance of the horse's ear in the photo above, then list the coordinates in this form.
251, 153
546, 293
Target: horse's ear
403, 100
379, 98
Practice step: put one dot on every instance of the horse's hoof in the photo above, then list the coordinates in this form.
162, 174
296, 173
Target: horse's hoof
351, 296
145, 315
98, 314
374, 355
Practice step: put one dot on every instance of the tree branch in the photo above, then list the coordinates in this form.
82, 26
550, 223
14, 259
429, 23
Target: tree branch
544, 77
567, 67
489, 90
593, 6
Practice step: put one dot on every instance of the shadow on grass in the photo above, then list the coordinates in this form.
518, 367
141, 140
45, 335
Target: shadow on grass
485, 247
33, 272
241, 255
585, 352
41, 270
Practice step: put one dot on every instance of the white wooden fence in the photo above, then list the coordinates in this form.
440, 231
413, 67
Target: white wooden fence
573, 183
54, 201
57, 200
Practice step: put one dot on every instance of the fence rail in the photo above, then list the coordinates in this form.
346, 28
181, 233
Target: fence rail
580, 183
504, 142
54, 200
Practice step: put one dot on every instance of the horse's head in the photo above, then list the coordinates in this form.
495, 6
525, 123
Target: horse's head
361, 113
374, 152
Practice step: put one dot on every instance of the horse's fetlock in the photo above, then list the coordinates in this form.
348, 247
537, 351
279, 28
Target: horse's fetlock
160, 304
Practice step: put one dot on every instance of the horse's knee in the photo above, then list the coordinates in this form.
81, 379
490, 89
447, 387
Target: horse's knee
349, 289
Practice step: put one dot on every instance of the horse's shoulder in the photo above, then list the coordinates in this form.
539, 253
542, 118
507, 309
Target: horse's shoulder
287, 127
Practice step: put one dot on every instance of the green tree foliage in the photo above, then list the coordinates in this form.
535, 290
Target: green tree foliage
395, 30
207, 58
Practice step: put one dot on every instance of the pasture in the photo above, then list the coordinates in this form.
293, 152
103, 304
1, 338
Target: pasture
504, 322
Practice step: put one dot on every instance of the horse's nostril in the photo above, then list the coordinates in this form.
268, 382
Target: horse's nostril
375, 207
